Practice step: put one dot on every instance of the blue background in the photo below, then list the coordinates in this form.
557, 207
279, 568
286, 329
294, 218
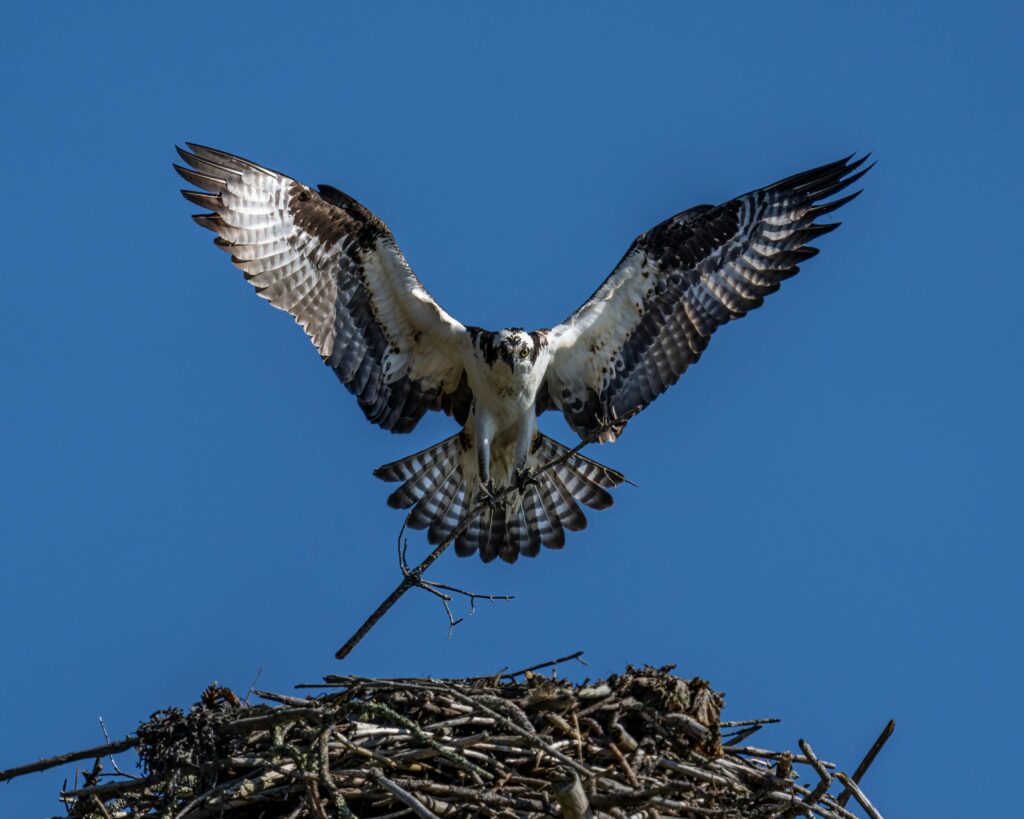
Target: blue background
827, 524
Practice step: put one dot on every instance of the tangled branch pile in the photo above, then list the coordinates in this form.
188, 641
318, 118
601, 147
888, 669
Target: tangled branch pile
644, 743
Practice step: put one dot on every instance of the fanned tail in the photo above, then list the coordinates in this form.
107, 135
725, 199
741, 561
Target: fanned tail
441, 496
432, 485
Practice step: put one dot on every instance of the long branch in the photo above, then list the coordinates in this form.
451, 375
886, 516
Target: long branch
54, 761
865, 763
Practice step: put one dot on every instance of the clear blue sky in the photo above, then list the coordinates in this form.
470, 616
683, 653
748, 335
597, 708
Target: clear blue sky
186, 492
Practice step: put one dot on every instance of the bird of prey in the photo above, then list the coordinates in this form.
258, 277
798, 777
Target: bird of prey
335, 267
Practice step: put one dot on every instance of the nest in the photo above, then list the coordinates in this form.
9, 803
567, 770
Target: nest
645, 743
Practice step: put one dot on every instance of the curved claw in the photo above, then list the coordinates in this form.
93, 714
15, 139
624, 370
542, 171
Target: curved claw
523, 478
487, 492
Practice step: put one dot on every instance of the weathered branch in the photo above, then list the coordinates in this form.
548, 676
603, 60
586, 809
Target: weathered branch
858, 794
74, 756
576, 655
869, 757
403, 796
568, 790
824, 777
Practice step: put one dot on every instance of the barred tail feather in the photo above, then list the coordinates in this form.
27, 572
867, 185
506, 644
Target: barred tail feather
547, 498
526, 537
422, 473
495, 535
441, 497
582, 488
537, 523
587, 480
410, 465
444, 524
474, 537
434, 504
569, 513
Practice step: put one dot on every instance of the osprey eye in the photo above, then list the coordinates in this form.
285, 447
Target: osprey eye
523, 352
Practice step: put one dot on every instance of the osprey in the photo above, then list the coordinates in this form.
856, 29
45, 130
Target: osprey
335, 267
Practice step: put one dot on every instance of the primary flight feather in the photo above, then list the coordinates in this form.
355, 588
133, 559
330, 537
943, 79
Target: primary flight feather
335, 267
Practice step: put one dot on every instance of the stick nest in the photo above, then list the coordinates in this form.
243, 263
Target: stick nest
645, 743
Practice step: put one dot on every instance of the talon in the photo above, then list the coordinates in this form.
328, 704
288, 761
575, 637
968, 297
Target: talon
523, 478
488, 492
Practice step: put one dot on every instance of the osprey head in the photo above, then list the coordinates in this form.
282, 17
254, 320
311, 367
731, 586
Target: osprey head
516, 347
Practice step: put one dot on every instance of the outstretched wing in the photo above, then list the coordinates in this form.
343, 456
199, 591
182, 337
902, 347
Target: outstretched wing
335, 267
677, 283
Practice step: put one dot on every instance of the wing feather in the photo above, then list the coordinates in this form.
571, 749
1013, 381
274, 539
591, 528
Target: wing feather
654, 315
334, 266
